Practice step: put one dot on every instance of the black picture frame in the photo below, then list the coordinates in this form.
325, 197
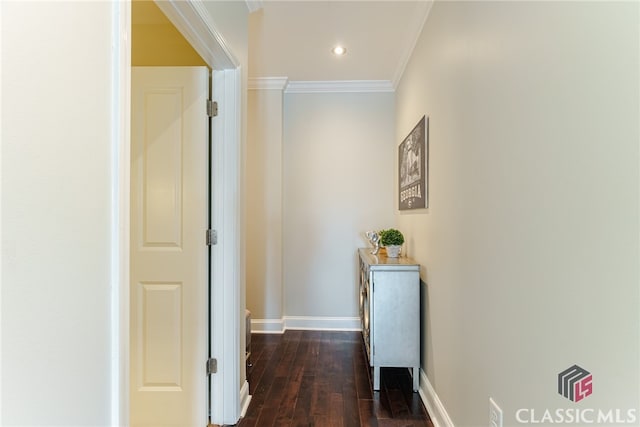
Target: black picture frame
413, 168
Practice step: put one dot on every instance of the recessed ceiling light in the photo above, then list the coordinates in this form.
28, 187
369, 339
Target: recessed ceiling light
339, 50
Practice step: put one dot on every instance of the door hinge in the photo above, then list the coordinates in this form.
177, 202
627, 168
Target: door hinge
212, 237
212, 108
212, 366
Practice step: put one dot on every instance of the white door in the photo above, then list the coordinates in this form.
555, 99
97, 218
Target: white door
169, 166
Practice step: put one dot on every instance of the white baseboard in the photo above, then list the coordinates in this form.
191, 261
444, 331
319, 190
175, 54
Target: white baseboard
278, 326
322, 323
245, 399
267, 326
432, 402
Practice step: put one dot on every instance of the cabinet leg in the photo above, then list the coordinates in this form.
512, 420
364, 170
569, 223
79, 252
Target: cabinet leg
376, 378
416, 378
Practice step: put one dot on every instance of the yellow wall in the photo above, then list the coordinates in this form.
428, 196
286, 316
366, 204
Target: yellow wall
155, 41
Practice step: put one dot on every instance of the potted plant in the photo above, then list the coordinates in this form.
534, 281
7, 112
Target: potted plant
392, 240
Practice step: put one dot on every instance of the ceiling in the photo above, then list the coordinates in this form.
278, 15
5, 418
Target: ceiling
294, 39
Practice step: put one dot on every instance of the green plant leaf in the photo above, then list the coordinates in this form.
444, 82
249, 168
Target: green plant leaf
391, 237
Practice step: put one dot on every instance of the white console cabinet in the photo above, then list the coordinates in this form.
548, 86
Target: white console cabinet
390, 312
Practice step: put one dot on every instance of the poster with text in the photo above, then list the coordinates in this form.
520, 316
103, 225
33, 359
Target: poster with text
413, 168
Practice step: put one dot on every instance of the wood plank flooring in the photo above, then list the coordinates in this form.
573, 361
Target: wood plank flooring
319, 378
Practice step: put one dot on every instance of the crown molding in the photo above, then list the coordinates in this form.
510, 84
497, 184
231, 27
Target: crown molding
331, 86
340, 86
267, 83
418, 24
254, 5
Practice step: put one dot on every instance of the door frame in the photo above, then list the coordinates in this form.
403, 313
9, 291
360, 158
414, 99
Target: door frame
193, 21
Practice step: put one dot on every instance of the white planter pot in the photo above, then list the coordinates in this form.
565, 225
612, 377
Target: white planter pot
393, 251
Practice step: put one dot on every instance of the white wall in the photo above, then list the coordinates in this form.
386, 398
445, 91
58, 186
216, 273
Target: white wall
231, 20
530, 245
56, 207
338, 182
264, 204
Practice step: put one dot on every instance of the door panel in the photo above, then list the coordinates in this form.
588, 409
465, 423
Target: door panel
160, 339
168, 252
162, 164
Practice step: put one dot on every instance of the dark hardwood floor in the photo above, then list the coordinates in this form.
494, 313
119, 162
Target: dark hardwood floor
316, 378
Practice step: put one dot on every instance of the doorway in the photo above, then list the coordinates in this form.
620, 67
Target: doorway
169, 294
228, 387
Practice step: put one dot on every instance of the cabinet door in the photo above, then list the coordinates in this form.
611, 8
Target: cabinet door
395, 317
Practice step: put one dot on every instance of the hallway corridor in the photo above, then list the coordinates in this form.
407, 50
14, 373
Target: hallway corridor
320, 378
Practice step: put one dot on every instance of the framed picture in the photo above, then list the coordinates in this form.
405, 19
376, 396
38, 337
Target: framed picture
413, 168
